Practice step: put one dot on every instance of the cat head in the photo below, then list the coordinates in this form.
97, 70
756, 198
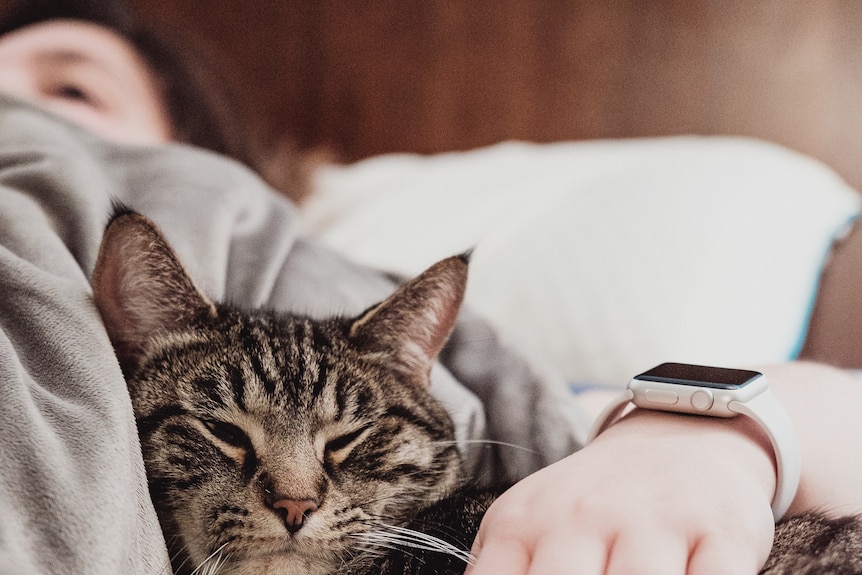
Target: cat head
274, 442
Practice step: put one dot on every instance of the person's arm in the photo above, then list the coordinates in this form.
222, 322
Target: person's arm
824, 404
672, 494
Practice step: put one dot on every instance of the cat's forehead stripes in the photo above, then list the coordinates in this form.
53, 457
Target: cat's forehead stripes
257, 344
209, 390
237, 384
280, 360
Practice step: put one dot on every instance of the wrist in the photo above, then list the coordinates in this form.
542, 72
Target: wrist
737, 444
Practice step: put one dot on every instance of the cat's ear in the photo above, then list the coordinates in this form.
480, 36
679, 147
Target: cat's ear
140, 286
413, 324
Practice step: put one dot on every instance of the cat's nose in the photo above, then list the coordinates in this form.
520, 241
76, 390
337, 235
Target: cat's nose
295, 511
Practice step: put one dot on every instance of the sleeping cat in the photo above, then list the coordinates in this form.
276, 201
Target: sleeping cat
279, 444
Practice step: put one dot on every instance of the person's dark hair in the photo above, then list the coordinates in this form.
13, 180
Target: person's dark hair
116, 15
200, 109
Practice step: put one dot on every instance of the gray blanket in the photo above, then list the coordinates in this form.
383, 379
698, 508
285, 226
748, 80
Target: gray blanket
73, 497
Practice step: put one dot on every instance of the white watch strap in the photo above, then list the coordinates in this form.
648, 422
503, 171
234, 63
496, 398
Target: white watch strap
610, 414
775, 421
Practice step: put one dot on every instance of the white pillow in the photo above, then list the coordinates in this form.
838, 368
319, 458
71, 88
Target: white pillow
607, 257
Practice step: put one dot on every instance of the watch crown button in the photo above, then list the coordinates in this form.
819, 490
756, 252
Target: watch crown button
701, 400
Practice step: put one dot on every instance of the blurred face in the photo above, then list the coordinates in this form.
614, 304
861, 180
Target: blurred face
87, 74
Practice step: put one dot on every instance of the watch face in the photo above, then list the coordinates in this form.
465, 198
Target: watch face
700, 375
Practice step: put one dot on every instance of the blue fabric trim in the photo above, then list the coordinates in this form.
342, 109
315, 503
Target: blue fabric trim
578, 387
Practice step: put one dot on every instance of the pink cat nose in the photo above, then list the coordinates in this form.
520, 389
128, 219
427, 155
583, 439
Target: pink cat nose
295, 511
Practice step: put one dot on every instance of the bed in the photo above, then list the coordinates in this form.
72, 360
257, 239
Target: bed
640, 181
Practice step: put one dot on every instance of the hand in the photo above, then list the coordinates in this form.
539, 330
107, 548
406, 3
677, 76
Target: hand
657, 493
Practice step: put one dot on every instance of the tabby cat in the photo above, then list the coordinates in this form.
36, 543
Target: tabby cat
279, 444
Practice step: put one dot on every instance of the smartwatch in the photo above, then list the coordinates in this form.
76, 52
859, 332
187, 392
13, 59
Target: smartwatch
717, 392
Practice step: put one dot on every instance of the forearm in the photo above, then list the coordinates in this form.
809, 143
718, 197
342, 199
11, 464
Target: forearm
824, 404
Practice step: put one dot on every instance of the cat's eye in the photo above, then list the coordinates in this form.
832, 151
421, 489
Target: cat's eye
339, 446
228, 433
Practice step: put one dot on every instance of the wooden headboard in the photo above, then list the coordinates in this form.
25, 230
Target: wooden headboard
433, 75
363, 78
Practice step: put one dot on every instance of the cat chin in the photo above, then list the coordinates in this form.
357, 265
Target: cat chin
279, 565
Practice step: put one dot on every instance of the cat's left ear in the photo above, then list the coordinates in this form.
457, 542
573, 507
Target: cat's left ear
141, 287
413, 324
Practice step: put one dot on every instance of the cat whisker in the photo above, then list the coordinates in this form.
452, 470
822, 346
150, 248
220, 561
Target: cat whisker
488, 442
212, 564
395, 537
170, 544
471, 340
176, 549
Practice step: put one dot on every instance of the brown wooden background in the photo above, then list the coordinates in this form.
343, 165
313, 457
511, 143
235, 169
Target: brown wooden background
366, 77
